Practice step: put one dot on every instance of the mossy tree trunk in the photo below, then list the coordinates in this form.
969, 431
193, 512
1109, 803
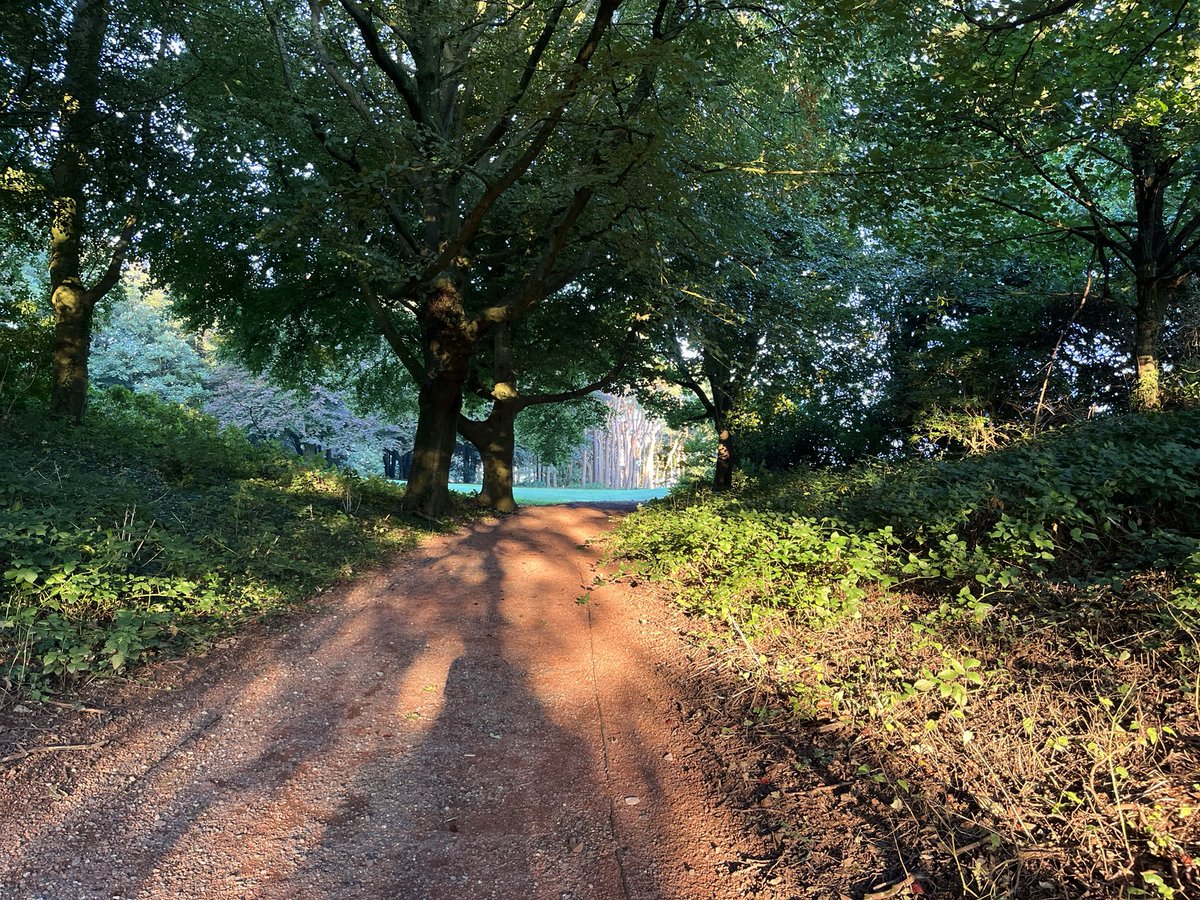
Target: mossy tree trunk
74, 302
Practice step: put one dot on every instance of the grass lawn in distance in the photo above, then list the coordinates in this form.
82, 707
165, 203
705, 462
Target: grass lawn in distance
542, 496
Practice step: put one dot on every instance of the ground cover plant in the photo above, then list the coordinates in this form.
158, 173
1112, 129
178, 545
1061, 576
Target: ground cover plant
1003, 649
148, 529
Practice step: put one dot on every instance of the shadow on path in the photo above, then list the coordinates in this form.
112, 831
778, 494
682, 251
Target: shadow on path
434, 733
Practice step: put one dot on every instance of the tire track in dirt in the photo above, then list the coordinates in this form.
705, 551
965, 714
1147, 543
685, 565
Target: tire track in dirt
455, 725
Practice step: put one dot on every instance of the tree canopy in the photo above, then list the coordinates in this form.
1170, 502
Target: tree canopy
842, 231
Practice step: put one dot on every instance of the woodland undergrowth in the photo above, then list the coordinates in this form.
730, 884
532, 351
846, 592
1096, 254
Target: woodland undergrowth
1008, 646
149, 530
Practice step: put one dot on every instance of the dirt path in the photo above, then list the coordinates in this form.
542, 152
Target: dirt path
457, 725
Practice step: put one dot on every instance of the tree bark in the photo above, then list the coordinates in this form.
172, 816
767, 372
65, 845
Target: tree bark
1152, 256
75, 303
727, 461
428, 492
72, 343
1148, 322
449, 342
495, 439
720, 411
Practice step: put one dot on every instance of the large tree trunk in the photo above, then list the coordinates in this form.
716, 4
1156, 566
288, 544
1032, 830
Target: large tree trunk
72, 344
428, 492
449, 343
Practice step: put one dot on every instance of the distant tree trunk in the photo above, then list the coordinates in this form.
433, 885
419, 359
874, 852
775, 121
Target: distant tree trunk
1148, 322
471, 459
727, 460
718, 384
721, 412
1154, 256
297, 444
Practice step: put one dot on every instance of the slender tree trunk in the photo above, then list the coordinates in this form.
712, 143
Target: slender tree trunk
73, 303
1148, 322
1153, 257
727, 461
722, 419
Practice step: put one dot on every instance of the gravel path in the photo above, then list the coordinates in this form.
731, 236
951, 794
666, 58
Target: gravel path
459, 724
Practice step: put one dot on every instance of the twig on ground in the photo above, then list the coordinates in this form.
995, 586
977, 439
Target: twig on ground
76, 707
53, 748
749, 649
891, 890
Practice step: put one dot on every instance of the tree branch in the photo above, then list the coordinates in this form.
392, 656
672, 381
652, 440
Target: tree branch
602, 383
474, 219
536, 52
1003, 24
395, 72
116, 262
392, 335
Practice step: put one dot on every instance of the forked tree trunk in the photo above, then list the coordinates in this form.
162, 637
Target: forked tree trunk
495, 439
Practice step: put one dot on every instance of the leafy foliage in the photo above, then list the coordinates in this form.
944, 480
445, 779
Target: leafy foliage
1090, 506
141, 345
25, 333
1034, 608
150, 529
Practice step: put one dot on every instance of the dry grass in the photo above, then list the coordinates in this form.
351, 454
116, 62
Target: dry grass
1050, 750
